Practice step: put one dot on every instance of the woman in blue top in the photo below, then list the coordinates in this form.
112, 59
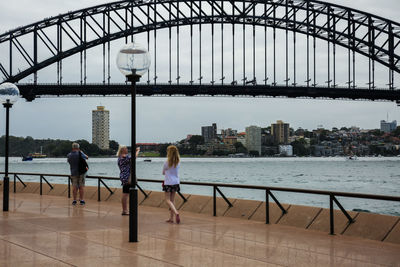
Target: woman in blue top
124, 164
171, 181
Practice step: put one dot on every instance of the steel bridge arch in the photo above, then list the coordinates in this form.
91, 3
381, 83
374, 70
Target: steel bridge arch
353, 29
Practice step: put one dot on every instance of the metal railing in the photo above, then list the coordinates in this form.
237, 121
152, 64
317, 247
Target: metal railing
216, 188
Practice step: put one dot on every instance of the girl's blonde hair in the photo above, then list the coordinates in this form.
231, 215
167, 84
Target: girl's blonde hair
173, 156
120, 149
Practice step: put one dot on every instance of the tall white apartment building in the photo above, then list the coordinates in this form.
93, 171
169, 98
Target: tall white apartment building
101, 127
253, 139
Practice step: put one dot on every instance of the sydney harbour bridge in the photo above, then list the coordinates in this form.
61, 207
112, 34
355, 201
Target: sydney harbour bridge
271, 48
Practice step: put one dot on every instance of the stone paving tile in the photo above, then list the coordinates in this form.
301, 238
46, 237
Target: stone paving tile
48, 230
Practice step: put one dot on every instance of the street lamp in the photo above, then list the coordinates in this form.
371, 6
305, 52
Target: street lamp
9, 94
133, 61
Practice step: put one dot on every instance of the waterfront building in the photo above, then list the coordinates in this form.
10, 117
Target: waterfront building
228, 132
286, 150
280, 132
253, 139
387, 126
209, 133
241, 138
266, 137
101, 127
231, 140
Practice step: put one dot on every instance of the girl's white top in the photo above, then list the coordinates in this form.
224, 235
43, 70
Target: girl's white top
171, 174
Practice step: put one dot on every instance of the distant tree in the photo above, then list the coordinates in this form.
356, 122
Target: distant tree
20, 146
308, 134
377, 132
397, 131
62, 148
240, 148
220, 153
196, 140
313, 141
163, 150
291, 131
254, 153
114, 145
344, 129
300, 147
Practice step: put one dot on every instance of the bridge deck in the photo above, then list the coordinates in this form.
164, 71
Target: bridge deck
47, 230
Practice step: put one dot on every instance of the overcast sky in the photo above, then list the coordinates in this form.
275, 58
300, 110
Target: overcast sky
167, 119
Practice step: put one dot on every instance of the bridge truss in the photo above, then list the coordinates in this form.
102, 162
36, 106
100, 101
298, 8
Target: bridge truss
213, 48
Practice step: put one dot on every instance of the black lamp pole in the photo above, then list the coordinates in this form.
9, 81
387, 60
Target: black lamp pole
6, 183
133, 192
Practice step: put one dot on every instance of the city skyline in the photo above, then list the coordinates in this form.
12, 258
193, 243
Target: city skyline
167, 119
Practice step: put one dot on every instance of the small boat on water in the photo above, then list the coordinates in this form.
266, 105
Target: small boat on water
352, 158
27, 158
38, 155
147, 160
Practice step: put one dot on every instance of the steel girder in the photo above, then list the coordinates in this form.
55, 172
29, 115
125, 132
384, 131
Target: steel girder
374, 37
30, 91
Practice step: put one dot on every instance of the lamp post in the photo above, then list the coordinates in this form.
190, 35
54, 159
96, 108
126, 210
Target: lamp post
133, 61
9, 94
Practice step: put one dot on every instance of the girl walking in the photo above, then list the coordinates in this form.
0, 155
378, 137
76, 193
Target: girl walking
171, 181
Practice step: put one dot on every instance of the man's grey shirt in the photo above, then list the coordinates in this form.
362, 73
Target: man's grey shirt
73, 160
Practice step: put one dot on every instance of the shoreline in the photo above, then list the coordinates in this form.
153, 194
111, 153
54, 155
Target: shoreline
213, 157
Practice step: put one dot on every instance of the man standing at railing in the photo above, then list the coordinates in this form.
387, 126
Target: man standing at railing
77, 178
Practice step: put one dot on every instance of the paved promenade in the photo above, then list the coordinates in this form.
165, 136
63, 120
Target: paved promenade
48, 231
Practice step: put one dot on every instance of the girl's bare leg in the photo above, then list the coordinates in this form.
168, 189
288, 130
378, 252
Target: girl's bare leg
168, 197
124, 202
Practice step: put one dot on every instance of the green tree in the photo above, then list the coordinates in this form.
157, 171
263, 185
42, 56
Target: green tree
114, 146
163, 150
300, 147
240, 148
220, 153
196, 140
376, 132
397, 131
254, 153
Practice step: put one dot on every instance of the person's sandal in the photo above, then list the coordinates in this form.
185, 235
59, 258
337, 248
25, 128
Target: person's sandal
124, 213
74, 203
82, 202
177, 218
169, 221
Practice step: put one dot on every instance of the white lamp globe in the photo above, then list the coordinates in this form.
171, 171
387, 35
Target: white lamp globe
8, 93
133, 57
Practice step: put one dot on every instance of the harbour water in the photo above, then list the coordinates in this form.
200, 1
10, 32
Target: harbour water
364, 175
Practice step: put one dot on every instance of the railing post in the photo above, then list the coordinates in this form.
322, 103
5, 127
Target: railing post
15, 186
332, 225
98, 189
182, 196
69, 186
224, 197
41, 184
267, 206
215, 201
343, 210
143, 192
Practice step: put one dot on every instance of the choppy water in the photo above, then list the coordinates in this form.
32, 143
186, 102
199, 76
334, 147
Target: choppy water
365, 175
